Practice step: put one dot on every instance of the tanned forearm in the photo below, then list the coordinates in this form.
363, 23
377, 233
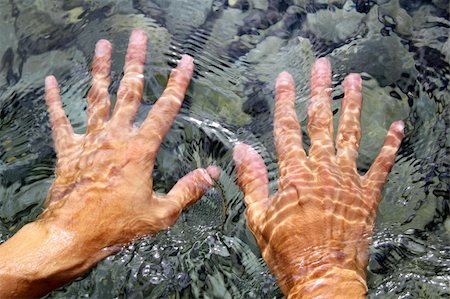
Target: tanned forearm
39, 258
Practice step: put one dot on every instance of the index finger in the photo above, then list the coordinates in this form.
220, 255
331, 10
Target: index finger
131, 86
287, 132
162, 115
253, 180
61, 128
320, 117
378, 172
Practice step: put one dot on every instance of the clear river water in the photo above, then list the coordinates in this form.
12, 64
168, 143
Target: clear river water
401, 48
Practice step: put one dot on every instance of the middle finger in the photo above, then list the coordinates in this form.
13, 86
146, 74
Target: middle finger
320, 117
349, 131
131, 87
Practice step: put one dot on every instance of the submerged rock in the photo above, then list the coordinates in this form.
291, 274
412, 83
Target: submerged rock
181, 16
443, 4
334, 26
393, 15
41, 28
274, 56
9, 60
446, 50
384, 58
379, 110
217, 99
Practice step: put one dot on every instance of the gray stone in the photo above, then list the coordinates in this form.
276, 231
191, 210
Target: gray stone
444, 4
383, 57
446, 51
334, 26
392, 14
9, 60
274, 56
379, 111
184, 15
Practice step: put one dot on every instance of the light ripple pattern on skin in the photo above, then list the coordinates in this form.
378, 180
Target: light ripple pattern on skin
315, 231
102, 197
106, 140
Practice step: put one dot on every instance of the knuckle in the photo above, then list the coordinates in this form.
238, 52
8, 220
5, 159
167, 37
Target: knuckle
348, 137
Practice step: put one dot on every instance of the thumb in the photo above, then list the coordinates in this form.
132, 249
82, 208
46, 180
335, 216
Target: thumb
253, 180
192, 186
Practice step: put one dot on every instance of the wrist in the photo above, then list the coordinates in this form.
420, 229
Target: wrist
333, 283
332, 271
39, 258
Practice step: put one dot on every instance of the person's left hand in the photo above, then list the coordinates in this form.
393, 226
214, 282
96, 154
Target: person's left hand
102, 193
314, 232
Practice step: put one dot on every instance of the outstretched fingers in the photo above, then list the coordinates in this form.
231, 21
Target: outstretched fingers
378, 172
131, 86
62, 129
320, 117
164, 111
98, 96
253, 180
349, 131
287, 131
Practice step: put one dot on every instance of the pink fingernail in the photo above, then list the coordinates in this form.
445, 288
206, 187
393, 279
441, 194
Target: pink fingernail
50, 82
102, 47
138, 37
239, 153
399, 125
207, 177
284, 78
322, 65
213, 171
243, 152
353, 82
186, 61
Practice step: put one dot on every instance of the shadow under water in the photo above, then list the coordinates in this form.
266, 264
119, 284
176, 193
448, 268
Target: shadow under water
401, 48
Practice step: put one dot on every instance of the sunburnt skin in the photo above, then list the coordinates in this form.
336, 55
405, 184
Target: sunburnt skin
315, 231
102, 197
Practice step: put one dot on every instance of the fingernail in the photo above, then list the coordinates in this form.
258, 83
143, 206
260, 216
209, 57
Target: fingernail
213, 171
353, 82
50, 82
102, 47
138, 37
238, 153
399, 125
206, 177
185, 61
322, 64
241, 152
284, 78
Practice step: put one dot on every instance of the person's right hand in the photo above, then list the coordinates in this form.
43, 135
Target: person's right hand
315, 231
102, 197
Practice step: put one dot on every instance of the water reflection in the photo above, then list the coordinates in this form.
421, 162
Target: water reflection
401, 47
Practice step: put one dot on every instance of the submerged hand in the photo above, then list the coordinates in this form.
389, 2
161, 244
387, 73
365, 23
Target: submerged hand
102, 196
104, 177
315, 231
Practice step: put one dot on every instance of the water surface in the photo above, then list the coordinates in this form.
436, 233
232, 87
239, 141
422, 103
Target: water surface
400, 47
